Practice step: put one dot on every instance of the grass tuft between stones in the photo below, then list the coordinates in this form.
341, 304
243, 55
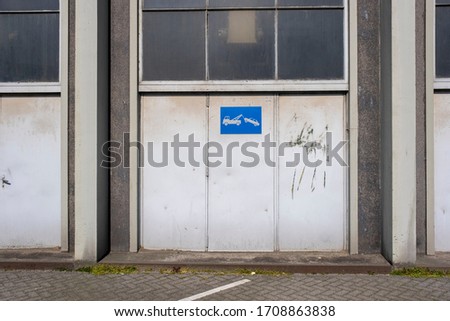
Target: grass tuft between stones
104, 269
421, 273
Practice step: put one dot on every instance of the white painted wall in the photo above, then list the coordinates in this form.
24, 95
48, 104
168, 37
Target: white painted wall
442, 171
30, 159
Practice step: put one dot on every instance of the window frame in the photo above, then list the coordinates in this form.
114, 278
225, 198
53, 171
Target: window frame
40, 87
278, 85
439, 83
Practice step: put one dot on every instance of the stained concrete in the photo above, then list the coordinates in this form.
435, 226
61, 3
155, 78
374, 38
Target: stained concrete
369, 207
36, 259
71, 128
299, 262
120, 122
421, 178
440, 261
296, 262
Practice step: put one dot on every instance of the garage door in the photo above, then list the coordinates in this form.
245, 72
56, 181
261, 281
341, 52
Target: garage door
238, 187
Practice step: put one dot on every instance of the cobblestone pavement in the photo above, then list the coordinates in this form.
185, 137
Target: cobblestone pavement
154, 286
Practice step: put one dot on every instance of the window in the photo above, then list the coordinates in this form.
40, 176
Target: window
443, 39
29, 41
199, 40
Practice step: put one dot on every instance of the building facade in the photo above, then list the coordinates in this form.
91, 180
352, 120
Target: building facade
221, 125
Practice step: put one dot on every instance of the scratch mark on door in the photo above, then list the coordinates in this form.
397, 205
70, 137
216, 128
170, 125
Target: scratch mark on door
293, 183
301, 178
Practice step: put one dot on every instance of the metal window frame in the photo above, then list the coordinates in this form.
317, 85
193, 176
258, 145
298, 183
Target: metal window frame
40, 87
275, 85
439, 83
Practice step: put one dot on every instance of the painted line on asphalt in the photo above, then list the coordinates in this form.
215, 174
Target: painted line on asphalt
216, 290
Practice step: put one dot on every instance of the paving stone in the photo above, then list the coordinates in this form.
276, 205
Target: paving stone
76, 286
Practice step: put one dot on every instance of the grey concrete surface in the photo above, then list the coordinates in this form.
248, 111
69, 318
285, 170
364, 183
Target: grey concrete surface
294, 262
369, 131
156, 286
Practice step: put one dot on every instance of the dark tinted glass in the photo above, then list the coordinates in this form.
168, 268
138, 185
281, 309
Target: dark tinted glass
241, 45
173, 4
311, 44
174, 45
18, 5
240, 3
443, 42
29, 47
442, 1
308, 3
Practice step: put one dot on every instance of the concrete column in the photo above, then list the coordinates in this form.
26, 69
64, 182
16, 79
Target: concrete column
91, 129
398, 92
120, 122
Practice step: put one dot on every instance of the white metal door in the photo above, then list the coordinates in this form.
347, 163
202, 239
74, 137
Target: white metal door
30, 162
173, 197
241, 199
312, 207
259, 206
442, 172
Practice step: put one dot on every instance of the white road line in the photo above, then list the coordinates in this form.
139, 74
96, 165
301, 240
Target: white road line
219, 289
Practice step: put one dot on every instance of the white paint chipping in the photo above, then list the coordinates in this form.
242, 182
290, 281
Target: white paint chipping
216, 290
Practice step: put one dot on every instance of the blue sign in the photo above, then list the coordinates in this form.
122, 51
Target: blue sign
240, 120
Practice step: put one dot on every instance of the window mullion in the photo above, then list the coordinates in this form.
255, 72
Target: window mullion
207, 40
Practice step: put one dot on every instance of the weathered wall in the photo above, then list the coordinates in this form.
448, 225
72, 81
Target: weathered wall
420, 127
71, 127
120, 122
369, 209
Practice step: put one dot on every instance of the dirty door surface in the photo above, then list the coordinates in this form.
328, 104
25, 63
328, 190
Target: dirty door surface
442, 171
312, 193
244, 197
173, 197
30, 175
241, 199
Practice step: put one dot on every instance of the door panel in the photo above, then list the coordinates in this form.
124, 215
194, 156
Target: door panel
240, 204
30, 208
173, 197
442, 172
311, 199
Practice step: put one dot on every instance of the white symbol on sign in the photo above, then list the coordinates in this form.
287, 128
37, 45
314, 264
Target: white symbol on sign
237, 121
252, 121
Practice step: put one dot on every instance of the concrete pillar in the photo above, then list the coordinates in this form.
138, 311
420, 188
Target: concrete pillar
398, 92
91, 129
